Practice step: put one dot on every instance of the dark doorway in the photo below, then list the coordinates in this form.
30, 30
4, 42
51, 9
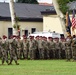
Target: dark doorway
26, 32
33, 30
10, 32
61, 35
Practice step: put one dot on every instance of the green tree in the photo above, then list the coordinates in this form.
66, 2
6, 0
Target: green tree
27, 1
63, 5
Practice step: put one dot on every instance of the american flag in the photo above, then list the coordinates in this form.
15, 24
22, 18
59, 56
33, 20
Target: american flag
73, 21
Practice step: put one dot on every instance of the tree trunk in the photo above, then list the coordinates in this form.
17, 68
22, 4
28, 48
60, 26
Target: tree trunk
60, 15
13, 17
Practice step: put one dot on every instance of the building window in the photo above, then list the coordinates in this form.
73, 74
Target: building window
33, 30
26, 32
10, 32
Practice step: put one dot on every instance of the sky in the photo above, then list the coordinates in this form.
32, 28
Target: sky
48, 1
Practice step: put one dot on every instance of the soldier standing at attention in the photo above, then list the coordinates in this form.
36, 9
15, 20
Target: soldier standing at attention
51, 46
4, 52
32, 48
25, 47
6, 42
45, 48
37, 51
19, 47
58, 48
13, 51
63, 48
74, 48
68, 47
40, 47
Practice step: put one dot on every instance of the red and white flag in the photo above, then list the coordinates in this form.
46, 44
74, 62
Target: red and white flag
73, 21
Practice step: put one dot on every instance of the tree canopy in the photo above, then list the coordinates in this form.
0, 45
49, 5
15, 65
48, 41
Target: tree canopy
27, 1
63, 5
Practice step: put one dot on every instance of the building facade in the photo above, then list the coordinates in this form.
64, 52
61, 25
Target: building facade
29, 15
32, 17
25, 28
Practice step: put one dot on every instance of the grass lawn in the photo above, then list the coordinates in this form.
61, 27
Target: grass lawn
39, 67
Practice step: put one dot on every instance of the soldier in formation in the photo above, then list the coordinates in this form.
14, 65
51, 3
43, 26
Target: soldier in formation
37, 48
68, 48
74, 48
4, 51
25, 47
63, 47
51, 47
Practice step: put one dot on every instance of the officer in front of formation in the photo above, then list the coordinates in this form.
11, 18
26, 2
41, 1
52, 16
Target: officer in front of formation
13, 50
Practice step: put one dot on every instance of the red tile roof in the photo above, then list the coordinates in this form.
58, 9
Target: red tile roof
47, 4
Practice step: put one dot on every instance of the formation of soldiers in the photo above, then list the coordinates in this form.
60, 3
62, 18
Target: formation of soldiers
37, 48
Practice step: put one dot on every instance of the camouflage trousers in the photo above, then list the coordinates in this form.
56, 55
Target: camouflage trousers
32, 54
63, 55
58, 54
25, 54
4, 58
74, 53
12, 57
18, 53
51, 53
46, 54
68, 53
41, 53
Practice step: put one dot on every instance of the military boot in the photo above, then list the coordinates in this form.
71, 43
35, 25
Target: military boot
10, 63
16, 63
7, 62
2, 62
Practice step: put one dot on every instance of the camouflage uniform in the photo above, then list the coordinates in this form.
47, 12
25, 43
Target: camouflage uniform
7, 46
68, 48
32, 49
51, 46
57, 49
4, 54
45, 48
41, 49
25, 48
37, 51
13, 52
19, 48
74, 49
63, 48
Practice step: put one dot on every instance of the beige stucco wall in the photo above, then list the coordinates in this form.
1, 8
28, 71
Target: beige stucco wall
4, 25
52, 23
